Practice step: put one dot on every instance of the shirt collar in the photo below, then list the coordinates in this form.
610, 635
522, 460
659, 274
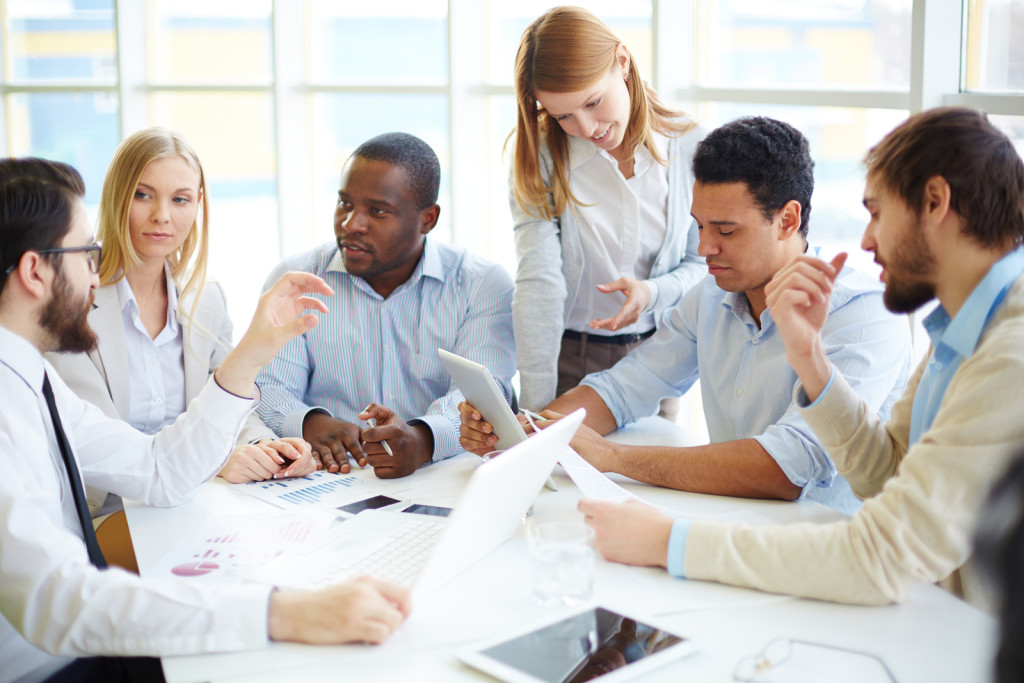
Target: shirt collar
963, 332
23, 358
581, 151
430, 263
127, 301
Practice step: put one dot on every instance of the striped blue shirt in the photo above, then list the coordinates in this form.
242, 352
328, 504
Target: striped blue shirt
368, 349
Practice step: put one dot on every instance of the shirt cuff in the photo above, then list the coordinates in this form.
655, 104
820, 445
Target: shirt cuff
677, 548
232, 402
292, 425
655, 290
446, 437
801, 396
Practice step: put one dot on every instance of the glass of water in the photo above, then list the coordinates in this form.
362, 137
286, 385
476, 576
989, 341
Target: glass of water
563, 562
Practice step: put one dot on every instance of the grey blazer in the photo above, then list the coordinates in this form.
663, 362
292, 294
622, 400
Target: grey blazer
101, 377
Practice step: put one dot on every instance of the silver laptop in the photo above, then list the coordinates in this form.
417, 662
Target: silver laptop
425, 552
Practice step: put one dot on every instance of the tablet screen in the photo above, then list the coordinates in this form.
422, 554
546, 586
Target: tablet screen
582, 647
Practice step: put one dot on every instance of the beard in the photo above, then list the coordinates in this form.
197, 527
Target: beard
907, 288
65, 318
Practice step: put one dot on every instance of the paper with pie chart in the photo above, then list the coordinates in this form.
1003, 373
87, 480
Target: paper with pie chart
225, 548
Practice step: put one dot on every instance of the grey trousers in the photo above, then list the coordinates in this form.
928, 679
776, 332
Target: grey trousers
580, 357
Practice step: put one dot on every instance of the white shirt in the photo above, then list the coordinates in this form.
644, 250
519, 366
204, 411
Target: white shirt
622, 225
54, 603
156, 373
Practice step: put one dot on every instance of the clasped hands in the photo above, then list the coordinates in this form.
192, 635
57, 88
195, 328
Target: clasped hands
333, 441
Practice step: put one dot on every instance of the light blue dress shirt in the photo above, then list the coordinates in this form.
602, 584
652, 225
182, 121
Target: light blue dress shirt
748, 387
368, 349
955, 339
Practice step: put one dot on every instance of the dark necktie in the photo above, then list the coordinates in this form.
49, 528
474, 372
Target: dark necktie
77, 492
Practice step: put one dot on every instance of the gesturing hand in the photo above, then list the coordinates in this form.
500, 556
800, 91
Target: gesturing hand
798, 298
278, 319
638, 295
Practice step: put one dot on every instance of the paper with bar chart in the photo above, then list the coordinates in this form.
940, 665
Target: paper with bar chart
224, 548
319, 489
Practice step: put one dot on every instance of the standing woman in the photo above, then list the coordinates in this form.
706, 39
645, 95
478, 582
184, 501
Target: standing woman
162, 329
600, 194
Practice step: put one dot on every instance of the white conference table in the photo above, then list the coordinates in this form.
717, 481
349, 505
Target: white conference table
930, 637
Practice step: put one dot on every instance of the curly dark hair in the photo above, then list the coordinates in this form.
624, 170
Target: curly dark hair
415, 156
770, 157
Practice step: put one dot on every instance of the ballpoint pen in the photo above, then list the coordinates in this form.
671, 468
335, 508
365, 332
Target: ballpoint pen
387, 449
530, 417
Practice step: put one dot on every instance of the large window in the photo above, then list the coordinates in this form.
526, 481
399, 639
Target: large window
275, 94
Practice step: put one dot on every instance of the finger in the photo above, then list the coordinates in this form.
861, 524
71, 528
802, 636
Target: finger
285, 449
378, 413
308, 302
472, 420
302, 466
468, 413
837, 264
807, 277
475, 438
297, 280
475, 447
615, 286
268, 449
398, 595
256, 464
588, 507
330, 460
317, 460
601, 324
353, 444
626, 313
380, 460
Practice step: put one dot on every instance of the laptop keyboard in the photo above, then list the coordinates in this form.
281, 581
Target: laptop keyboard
399, 558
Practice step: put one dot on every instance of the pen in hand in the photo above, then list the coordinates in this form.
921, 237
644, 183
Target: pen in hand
530, 417
387, 449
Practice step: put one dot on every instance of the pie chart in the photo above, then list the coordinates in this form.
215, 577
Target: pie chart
199, 568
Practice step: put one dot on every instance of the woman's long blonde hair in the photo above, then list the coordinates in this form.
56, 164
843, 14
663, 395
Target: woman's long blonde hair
133, 155
568, 49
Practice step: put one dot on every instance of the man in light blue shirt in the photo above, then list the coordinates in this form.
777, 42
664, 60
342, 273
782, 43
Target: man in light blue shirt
751, 201
399, 296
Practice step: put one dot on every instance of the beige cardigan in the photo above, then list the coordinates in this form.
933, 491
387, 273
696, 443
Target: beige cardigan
921, 505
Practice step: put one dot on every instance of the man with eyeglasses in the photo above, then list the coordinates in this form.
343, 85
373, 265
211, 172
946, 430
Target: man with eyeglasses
945, 194
58, 599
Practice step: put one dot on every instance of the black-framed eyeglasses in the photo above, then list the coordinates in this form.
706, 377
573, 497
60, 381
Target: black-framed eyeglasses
94, 251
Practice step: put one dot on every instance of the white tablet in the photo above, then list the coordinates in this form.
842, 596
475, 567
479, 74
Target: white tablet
592, 643
479, 388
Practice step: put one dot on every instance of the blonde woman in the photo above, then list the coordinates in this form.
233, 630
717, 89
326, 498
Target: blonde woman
600, 194
162, 329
